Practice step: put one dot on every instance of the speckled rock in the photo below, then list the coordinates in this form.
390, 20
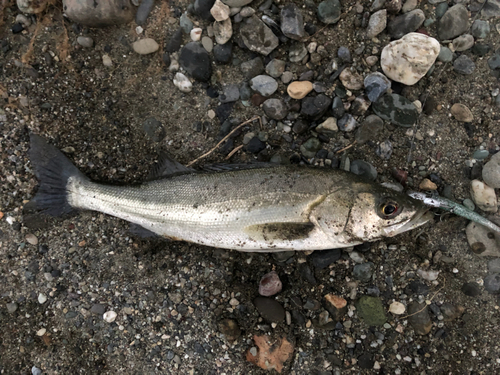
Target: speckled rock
264, 85
275, 108
99, 14
258, 37
396, 109
454, 22
483, 241
491, 172
377, 23
371, 311
461, 112
351, 79
329, 11
376, 84
406, 23
483, 196
292, 22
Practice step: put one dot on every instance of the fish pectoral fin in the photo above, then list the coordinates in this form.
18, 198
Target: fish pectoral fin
140, 231
280, 231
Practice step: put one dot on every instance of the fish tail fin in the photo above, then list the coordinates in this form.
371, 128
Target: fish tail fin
53, 171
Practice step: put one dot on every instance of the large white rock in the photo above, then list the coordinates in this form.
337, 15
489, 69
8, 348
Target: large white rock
408, 59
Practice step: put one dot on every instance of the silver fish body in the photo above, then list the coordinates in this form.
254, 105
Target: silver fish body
259, 209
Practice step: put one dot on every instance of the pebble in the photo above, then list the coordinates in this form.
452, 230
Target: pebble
468, 203
363, 272
98, 309
230, 93
377, 23
494, 266
223, 31
145, 46
323, 258
408, 59
106, 61
419, 318
483, 196
463, 42
276, 109
223, 52
351, 79
347, 123
12, 307
287, 77
182, 82
371, 310
336, 306
31, 6
406, 23
237, 3
471, 289
297, 52
23, 20
370, 128
230, 329
258, 37
292, 22
41, 332
185, 23
264, 85
195, 34
270, 284
196, 61
31, 239
393, 6
306, 273
409, 5
461, 113
441, 9
220, 11
174, 42
427, 185
328, 127
310, 147
397, 308
299, 89
143, 11
252, 68
17, 28
42, 298
480, 29
153, 129
364, 169
201, 8
429, 275
396, 109
491, 172
109, 316
207, 43
454, 22
315, 107
482, 241
376, 84
329, 11
96, 14
492, 283
338, 108
451, 312
344, 54
255, 145
270, 309
35, 370
445, 54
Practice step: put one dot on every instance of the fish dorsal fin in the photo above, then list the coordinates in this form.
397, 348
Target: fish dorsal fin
221, 167
166, 166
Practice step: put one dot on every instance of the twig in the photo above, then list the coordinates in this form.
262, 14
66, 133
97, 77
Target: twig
223, 140
346, 148
234, 152
423, 308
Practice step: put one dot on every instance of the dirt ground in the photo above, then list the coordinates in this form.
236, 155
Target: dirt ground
171, 296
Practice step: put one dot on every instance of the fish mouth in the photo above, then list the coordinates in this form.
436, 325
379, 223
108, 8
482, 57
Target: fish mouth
420, 218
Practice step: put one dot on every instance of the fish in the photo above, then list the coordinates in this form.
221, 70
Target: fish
254, 208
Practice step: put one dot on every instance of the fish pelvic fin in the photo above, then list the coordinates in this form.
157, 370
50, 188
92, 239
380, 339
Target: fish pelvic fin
53, 171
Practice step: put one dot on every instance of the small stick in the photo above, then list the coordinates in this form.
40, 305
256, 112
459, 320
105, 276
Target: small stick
222, 140
234, 152
346, 148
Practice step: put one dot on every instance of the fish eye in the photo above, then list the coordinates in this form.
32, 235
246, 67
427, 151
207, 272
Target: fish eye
389, 209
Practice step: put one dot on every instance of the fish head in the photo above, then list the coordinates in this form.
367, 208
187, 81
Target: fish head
384, 213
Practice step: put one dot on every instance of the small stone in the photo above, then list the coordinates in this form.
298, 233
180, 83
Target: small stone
12, 307
429, 275
376, 84
471, 289
286, 77
255, 145
270, 284
275, 109
299, 89
408, 59
195, 34
247, 12
41, 332
397, 308
31, 239
109, 316
454, 22
307, 274
175, 41
377, 23
143, 11
310, 147
31, 7
182, 82
207, 43
371, 126
145, 46
185, 23
297, 52
106, 61
492, 283
201, 8
461, 113
292, 22
396, 109
35, 370
364, 169
252, 68
231, 93
223, 52
270, 309
315, 107
445, 54
196, 61
42, 298
275, 68
409, 5
220, 11
96, 14
363, 272
406, 23
480, 29
344, 54
451, 312
323, 258
85, 41
393, 6
463, 42
154, 129
230, 329
427, 184
371, 311
347, 123
336, 306
494, 266
329, 11
258, 37
483, 196
223, 31
338, 108
483, 241
328, 127
491, 172
98, 309
264, 85
351, 79
419, 319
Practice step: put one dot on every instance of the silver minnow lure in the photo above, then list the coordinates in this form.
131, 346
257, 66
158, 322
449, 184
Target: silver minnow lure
259, 209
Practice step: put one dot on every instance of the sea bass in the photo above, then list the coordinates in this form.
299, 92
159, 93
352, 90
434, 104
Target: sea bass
259, 209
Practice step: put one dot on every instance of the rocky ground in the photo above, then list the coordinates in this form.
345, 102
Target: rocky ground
81, 294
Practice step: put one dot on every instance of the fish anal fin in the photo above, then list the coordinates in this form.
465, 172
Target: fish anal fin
280, 231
